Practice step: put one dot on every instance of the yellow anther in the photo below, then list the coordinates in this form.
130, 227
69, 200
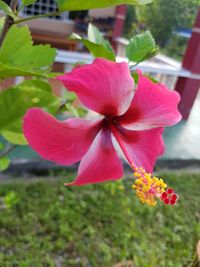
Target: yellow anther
148, 187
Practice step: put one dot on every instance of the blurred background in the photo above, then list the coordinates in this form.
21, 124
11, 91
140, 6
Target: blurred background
45, 224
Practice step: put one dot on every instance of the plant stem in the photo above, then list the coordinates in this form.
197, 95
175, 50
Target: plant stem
133, 66
144, 58
7, 150
8, 21
56, 13
61, 107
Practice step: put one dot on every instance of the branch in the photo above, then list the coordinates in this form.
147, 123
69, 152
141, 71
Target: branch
52, 14
8, 21
7, 150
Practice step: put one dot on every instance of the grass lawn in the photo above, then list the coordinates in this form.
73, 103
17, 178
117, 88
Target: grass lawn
43, 223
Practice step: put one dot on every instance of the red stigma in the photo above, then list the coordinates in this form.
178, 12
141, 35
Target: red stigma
166, 201
164, 195
169, 197
173, 202
174, 197
170, 191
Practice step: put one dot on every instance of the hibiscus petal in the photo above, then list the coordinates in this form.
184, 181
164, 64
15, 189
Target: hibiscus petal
153, 106
101, 162
64, 142
143, 147
103, 86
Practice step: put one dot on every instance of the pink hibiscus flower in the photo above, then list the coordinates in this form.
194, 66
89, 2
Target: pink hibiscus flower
133, 119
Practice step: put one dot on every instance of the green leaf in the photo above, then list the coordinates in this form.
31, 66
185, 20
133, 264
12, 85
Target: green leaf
1, 146
135, 77
27, 2
64, 5
14, 138
97, 50
95, 36
96, 44
151, 78
6, 9
72, 109
2, 20
13, 133
11, 199
141, 47
4, 163
69, 96
16, 100
19, 57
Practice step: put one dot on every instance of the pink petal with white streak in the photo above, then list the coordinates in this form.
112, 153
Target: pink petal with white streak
101, 163
64, 142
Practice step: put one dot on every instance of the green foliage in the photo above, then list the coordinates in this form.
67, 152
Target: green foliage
16, 100
101, 225
4, 163
1, 146
75, 111
175, 47
6, 9
71, 105
161, 17
96, 37
19, 57
2, 20
96, 44
130, 20
11, 199
151, 78
65, 5
141, 47
14, 135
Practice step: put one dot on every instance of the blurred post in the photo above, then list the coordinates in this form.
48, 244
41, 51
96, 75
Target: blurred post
187, 87
119, 23
196, 262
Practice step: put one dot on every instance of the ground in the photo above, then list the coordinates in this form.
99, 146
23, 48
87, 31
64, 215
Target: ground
43, 223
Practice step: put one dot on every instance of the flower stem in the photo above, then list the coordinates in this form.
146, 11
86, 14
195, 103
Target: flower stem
7, 150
